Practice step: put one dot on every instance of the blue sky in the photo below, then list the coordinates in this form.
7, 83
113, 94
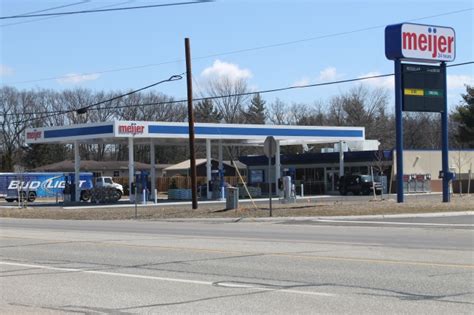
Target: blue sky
89, 45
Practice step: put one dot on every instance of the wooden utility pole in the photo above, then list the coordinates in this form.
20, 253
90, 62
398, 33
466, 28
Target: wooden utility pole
192, 156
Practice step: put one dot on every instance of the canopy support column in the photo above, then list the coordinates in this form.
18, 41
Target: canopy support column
221, 170
341, 159
208, 167
152, 169
277, 167
77, 171
131, 168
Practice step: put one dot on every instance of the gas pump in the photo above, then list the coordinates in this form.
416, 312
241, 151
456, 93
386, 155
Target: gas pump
215, 184
222, 184
141, 186
69, 192
287, 184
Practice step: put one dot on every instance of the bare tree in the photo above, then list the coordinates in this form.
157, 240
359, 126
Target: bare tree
278, 113
336, 115
422, 131
13, 122
231, 103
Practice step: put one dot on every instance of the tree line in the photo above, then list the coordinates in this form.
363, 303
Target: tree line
358, 106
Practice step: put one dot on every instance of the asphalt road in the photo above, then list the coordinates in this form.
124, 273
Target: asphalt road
278, 267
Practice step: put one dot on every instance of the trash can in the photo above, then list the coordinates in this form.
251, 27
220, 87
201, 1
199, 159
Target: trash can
231, 198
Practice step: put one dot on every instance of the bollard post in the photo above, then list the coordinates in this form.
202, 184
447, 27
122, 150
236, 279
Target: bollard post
135, 198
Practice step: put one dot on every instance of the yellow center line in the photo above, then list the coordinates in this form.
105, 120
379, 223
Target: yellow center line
276, 254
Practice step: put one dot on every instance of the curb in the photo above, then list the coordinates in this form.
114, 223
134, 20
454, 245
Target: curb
296, 219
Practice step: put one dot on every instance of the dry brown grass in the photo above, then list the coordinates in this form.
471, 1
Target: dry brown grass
311, 208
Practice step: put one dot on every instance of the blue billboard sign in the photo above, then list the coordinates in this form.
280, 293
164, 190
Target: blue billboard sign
44, 184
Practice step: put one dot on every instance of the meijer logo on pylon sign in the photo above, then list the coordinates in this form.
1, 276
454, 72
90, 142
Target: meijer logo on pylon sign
418, 42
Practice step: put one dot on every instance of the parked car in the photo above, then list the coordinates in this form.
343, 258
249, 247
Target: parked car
358, 184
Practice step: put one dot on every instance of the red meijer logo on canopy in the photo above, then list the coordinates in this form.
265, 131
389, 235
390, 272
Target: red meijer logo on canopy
33, 135
131, 129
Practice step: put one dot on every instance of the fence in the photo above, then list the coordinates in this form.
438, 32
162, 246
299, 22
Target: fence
180, 182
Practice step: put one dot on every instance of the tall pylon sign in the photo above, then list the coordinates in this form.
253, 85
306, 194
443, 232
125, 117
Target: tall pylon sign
420, 53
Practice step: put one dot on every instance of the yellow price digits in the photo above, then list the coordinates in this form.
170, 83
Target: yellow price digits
415, 92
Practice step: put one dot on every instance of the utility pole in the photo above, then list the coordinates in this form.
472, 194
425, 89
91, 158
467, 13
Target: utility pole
192, 156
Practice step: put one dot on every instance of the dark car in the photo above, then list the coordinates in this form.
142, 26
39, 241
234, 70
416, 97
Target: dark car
359, 184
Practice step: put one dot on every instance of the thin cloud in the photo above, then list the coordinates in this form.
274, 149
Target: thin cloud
303, 81
6, 71
74, 78
328, 74
458, 81
221, 69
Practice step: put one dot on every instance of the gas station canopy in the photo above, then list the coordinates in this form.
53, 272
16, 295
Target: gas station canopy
118, 131
175, 133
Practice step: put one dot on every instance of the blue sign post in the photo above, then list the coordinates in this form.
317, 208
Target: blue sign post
444, 142
399, 128
422, 43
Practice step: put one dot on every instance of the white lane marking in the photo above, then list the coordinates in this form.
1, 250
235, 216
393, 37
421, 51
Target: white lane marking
395, 223
105, 273
188, 281
276, 289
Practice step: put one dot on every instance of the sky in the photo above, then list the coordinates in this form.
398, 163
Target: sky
271, 44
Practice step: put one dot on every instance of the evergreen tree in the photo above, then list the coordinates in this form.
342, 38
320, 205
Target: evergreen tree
464, 117
256, 112
206, 112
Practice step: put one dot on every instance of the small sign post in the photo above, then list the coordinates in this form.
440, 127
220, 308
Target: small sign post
269, 148
418, 87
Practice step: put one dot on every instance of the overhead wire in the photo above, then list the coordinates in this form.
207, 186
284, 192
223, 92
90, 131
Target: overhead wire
56, 7
85, 109
55, 17
104, 10
175, 77
231, 52
97, 107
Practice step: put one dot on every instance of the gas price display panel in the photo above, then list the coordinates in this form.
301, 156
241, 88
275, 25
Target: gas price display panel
423, 88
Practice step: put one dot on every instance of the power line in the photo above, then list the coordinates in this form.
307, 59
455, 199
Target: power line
55, 17
103, 10
293, 87
57, 7
232, 52
98, 72
461, 64
84, 109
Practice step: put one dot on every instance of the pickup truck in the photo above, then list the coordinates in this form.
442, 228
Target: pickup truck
107, 181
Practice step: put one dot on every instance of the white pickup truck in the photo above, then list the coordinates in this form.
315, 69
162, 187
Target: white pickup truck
106, 181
